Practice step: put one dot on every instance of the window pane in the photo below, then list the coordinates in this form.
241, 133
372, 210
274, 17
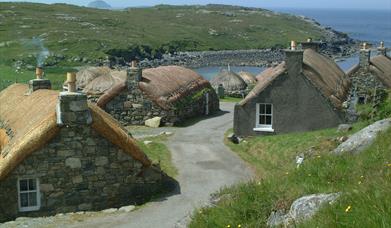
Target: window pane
268, 120
268, 109
32, 199
23, 185
24, 199
261, 109
262, 120
32, 184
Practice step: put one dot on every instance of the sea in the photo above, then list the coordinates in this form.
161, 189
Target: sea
371, 26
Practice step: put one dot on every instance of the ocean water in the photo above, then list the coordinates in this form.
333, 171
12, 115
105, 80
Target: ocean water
367, 25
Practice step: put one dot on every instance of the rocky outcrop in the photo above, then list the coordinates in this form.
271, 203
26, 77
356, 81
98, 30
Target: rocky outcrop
301, 210
363, 139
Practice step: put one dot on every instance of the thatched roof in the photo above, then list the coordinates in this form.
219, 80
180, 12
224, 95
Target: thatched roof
326, 76
264, 80
163, 85
98, 80
230, 81
322, 72
248, 77
167, 84
32, 121
381, 66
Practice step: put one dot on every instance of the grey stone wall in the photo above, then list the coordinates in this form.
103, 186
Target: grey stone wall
297, 107
133, 107
79, 170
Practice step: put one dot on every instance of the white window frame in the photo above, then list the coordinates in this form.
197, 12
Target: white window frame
29, 208
263, 127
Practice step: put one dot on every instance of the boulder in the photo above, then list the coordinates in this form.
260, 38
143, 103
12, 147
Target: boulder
154, 122
344, 128
301, 209
363, 139
127, 208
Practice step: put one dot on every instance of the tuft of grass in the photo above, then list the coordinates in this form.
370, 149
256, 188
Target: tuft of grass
158, 152
364, 180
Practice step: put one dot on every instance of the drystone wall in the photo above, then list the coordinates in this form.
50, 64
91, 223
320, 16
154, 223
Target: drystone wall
80, 171
132, 107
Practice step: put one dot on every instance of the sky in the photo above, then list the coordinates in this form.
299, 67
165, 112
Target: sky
342, 4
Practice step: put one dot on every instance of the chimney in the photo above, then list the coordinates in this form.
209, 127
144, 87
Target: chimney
72, 107
310, 44
294, 59
381, 50
365, 55
134, 73
39, 82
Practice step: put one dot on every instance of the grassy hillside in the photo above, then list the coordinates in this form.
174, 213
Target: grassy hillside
364, 180
74, 35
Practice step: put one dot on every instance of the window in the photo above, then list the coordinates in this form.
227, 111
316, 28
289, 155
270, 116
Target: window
28, 193
264, 118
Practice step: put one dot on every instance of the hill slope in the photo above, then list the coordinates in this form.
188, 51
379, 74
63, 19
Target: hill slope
73, 34
99, 5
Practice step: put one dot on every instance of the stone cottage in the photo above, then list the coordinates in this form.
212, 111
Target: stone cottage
60, 154
305, 92
133, 96
233, 84
371, 74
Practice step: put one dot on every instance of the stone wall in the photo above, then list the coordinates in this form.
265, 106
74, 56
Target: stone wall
132, 107
364, 85
80, 171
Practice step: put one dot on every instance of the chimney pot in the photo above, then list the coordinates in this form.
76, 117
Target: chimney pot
309, 40
382, 50
71, 80
293, 45
39, 72
364, 46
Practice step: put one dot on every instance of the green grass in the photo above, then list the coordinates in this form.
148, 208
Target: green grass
230, 99
158, 152
70, 31
364, 179
56, 75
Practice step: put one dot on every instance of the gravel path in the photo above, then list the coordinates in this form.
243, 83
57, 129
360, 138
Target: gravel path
205, 165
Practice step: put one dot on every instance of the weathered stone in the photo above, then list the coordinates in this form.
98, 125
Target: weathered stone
301, 210
364, 138
154, 122
46, 187
344, 127
73, 163
111, 210
147, 142
101, 161
77, 179
127, 208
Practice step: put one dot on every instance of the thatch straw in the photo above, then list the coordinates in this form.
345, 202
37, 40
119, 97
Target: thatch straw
32, 120
326, 75
381, 66
248, 77
230, 81
167, 84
